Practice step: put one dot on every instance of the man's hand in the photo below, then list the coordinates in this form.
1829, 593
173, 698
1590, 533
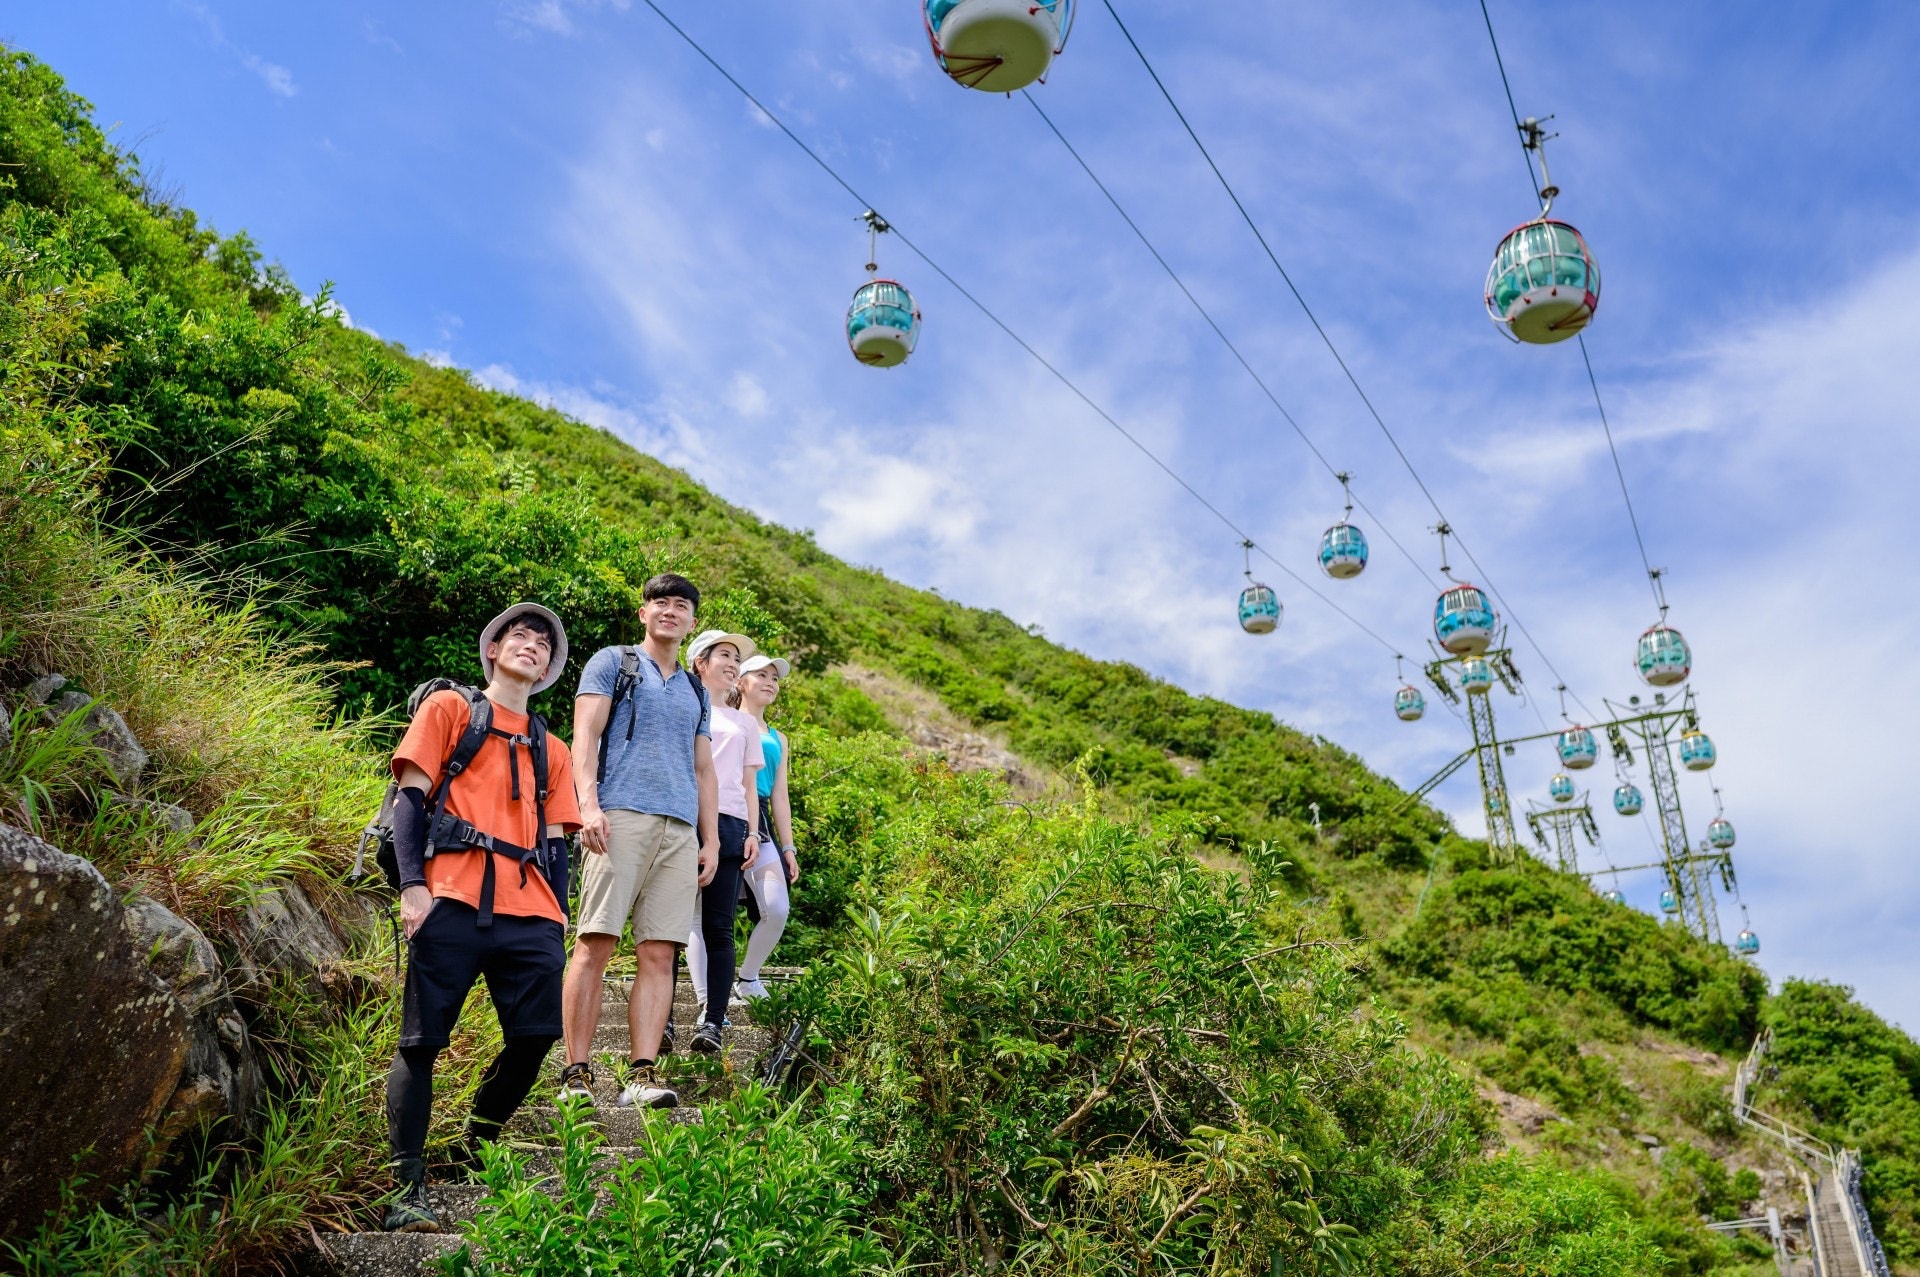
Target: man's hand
752, 853
593, 828
708, 860
415, 901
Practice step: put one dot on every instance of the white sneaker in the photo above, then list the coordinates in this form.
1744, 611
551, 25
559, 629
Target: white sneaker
576, 1083
745, 991
643, 1090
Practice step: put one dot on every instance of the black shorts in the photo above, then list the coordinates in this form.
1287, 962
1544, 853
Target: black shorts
523, 960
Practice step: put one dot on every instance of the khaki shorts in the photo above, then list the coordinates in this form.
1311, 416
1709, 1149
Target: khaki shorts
650, 872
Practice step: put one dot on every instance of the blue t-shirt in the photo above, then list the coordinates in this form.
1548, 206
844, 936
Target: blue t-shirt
649, 738
770, 752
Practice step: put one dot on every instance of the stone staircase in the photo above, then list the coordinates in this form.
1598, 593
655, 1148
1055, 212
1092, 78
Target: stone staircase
377, 1254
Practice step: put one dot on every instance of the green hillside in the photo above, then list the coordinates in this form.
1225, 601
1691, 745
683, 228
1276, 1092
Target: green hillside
1090, 992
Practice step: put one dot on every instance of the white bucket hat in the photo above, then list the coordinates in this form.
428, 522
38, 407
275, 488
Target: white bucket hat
712, 638
778, 664
555, 667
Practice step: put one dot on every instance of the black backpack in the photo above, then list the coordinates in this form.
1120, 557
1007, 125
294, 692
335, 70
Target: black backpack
447, 833
623, 685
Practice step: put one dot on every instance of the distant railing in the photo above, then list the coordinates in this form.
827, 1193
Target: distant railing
1839, 1167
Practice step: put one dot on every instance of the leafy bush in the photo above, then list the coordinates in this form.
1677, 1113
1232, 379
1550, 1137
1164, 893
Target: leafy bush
753, 1187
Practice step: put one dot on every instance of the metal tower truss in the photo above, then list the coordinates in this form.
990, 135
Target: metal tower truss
1690, 874
1498, 808
1553, 828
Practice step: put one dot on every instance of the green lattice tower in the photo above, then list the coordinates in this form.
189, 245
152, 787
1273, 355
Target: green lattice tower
1688, 875
1554, 827
1498, 808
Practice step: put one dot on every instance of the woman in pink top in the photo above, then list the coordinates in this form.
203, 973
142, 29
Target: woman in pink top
715, 656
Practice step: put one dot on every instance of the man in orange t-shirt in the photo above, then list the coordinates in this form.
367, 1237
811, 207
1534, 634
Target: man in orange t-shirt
483, 889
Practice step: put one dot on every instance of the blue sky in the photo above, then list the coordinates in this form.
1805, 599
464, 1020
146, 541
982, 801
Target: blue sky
562, 197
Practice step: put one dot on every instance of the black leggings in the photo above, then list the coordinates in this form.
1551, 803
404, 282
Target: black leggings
502, 1087
719, 901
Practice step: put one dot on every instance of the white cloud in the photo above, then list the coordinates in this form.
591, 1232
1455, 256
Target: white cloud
555, 17
278, 79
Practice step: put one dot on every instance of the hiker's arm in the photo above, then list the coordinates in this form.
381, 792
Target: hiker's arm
589, 724
708, 782
410, 848
783, 813
750, 786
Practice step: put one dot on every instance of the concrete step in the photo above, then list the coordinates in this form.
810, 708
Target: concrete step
534, 1122
386, 1254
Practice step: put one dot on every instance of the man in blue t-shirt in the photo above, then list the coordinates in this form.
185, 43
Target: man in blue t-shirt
649, 823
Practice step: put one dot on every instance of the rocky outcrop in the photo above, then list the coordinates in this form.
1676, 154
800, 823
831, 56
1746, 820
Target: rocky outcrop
221, 1077
92, 1042
285, 936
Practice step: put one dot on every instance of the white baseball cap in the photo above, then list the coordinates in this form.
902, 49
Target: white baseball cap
555, 667
706, 639
778, 664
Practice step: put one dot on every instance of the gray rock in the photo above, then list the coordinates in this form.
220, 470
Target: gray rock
126, 758
92, 1042
6, 725
170, 815
221, 1077
283, 935
116, 740
41, 689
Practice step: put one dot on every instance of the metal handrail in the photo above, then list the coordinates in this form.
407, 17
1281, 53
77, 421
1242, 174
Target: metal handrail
1840, 1166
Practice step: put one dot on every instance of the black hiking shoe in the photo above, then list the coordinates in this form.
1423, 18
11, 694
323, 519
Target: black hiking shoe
410, 1211
666, 1038
576, 1082
707, 1040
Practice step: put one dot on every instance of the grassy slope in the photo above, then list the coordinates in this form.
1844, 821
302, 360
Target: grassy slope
376, 500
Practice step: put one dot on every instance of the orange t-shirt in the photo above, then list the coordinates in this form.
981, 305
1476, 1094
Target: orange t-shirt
483, 796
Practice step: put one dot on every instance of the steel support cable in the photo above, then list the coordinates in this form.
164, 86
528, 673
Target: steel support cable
997, 322
1222, 335
1533, 183
1372, 411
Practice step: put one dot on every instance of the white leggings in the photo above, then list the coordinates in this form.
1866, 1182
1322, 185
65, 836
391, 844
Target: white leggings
767, 880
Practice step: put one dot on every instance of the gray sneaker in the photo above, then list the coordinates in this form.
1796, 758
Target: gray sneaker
707, 1040
644, 1090
576, 1083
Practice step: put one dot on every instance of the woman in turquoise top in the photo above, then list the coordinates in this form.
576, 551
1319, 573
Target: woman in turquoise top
771, 872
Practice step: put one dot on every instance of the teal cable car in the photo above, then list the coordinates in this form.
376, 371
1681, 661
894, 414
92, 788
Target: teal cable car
1343, 551
1544, 284
1614, 897
1578, 749
1669, 903
1409, 704
1560, 788
1463, 620
997, 46
1475, 676
883, 324
1720, 833
1662, 656
1746, 944
1627, 800
1259, 605
1696, 750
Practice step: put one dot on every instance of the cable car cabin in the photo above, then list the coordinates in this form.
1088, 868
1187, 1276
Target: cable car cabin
1560, 788
1627, 800
1669, 903
1475, 676
883, 324
1746, 944
1615, 897
1463, 620
1259, 609
1495, 804
1544, 285
1343, 551
1720, 833
997, 46
1578, 748
1696, 751
1663, 657
1409, 704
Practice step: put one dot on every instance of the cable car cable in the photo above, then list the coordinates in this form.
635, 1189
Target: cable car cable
1533, 183
1380, 421
999, 323
1219, 332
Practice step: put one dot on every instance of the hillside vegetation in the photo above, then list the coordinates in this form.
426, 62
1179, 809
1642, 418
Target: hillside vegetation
1134, 1016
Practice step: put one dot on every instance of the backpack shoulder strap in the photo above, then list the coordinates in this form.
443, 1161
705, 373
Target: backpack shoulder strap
479, 723
700, 694
537, 747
